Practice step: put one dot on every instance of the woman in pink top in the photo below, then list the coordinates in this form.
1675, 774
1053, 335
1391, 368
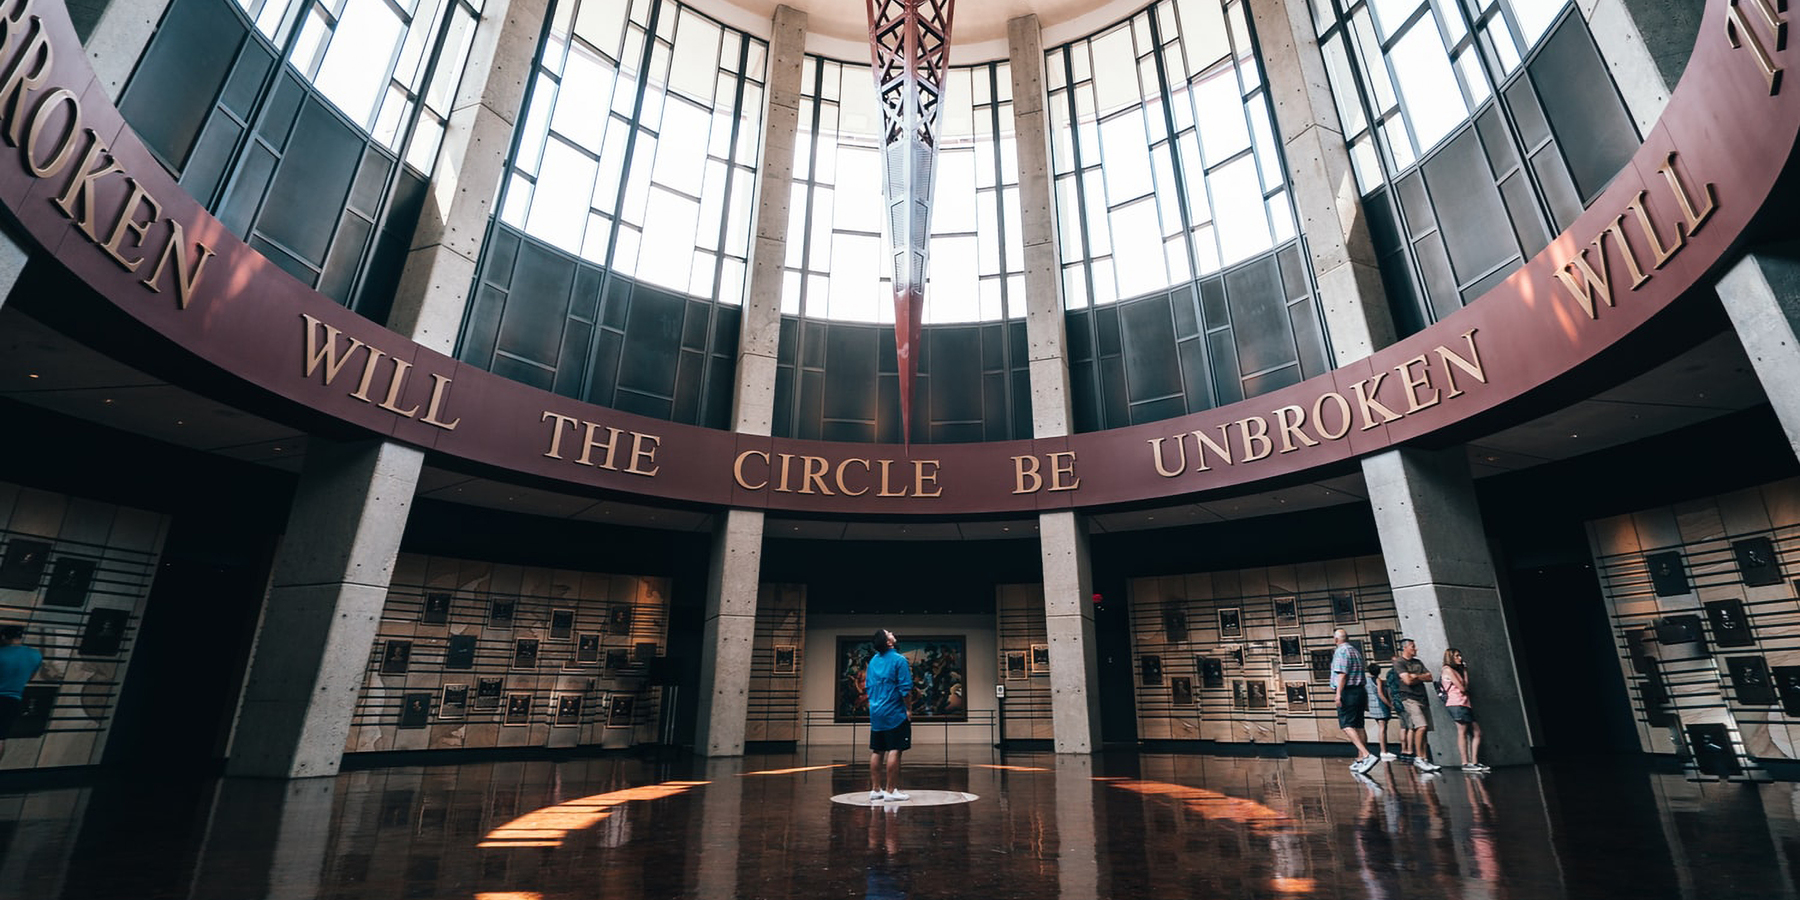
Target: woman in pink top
1455, 681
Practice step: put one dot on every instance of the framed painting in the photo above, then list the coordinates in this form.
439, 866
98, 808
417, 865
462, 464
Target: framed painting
1750, 680
1040, 659
1231, 626
395, 656
940, 680
23, 565
1730, 623
1787, 681
1321, 665
587, 648
1181, 690
1713, 753
1150, 670
784, 659
1291, 656
488, 692
36, 703
1668, 574
70, 579
618, 619
501, 611
1297, 699
562, 624
525, 653
436, 609
1175, 623
1682, 629
1015, 665
104, 633
1381, 645
1259, 694
460, 654
623, 708
1343, 608
415, 710
453, 703
1756, 561
618, 658
518, 709
1240, 694
568, 710
1287, 612
1212, 671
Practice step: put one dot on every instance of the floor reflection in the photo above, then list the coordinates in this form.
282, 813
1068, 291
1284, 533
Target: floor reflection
1115, 825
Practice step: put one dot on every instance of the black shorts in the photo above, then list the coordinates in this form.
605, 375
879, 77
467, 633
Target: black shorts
1354, 705
9, 710
1461, 715
896, 738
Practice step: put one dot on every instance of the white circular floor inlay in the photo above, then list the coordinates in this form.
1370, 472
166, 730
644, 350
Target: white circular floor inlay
919, 798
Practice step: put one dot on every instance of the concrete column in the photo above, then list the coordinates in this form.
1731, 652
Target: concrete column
324, 605
736, 566
1444, 590
1324, 187
1062, 536
13, 257
118, 40
440, 265
1646, 44
1761, 294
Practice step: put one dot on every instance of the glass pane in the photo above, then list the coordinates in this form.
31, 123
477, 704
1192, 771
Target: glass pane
1238, 204
558, 213
1137, 242
1535, 17
1126, 157
1223, 133
355, 69
1434, 105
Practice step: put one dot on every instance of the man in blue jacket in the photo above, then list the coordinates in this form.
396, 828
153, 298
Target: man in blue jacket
17, 664
889, 682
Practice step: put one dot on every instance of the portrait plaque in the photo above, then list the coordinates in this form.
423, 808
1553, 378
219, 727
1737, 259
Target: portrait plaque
488, 691
1040, 659
454, 703
785, 655
1321, 665
562, 624
1151, 669
1343, 608
436, 609
1713, 753
618, 619
501, 610
1756, 561
1297, 697
623, 708
1291, 657
461, 652
1259, 694
395, 656
1015, 665
104, 632
1230, 624
1677, 630
518, 709
1668, 574
70, 579
415, 710
525, 653
618, 658
1212, 672
23, 565
1181, 690
36, 704
587, 648
1750, 680
568, 710
1730, 623
1287, 612
1175, 625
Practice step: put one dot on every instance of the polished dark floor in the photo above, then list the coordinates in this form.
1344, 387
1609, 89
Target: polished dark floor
1116, 825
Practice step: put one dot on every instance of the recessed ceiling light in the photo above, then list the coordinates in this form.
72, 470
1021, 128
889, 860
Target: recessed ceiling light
32, 375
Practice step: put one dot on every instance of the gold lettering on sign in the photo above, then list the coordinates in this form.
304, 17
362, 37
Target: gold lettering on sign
1028, 475
325, 350
639, 460
1589, 282
1426, 383
1739, 33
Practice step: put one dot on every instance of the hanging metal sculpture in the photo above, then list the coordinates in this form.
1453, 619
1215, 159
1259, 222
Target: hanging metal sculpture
910, 42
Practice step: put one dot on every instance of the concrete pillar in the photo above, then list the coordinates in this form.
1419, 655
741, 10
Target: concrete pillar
736, 566
1444, 590
1646, 44
118, 40
1077, 829
440, 265
1761, 294
1062, 536
324, 605
1324, 187
13, 257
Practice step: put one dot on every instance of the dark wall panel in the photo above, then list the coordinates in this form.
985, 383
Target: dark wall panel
172, 93
1596, 135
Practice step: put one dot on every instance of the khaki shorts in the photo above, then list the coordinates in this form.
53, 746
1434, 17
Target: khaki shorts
1414, 714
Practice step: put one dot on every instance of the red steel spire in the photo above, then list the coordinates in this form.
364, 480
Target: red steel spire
910, 42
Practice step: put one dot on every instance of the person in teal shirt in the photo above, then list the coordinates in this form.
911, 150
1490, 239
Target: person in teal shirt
888, 680
17, 664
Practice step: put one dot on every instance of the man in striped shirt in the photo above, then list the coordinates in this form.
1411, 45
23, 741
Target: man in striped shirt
1350, 692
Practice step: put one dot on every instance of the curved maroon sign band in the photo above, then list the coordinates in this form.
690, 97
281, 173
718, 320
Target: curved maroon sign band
81, 184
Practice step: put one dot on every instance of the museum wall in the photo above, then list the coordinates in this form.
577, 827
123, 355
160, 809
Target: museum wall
1024, 662
1244, 655
1706, 624
75, 573
474, 654
777, 659
819, 683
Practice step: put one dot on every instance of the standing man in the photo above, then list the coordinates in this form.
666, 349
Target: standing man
17, 664
1394, 689
1415, 708
1350, 693
889, 681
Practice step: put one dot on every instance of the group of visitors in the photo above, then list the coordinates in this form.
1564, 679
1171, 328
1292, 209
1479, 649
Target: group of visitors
1362, 693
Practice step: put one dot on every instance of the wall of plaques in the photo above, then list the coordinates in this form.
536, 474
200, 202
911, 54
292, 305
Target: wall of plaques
777, 659
1244, 656
1024, 663
1702, 598
75, 573
475, 654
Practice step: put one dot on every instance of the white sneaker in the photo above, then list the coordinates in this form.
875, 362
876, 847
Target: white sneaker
893, 796
1426, 765
876, 796
1367, 763
1388, 755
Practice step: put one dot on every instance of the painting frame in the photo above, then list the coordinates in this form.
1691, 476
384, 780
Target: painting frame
1015, 666
22, 565
71, 577
1381, 645
435, 610
1343, 607
785, 659
1212, 671
453, 702
1750, 680
415, 709
565, 710
518, 708
1287, 611
1150, 670
459, 652
587, 648
103, 634
938, 662
525, 653
1730, 623
621, 711
489, 691
1758, 563
1292, 648
1181, 690
1040, 659
502, 611
1298, 698
1231, 622
1175, 622
1668, 573
562, 625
